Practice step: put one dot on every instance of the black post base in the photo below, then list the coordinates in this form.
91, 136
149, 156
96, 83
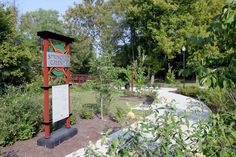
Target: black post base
57, 137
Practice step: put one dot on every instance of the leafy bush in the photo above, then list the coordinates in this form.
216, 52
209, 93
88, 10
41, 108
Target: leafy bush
72, 119
170, 76
165, 136
88, 111
220, 140
105, 79
191, 91
120, 115
219, 100
20, 115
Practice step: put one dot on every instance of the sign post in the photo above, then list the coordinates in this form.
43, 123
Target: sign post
56, 61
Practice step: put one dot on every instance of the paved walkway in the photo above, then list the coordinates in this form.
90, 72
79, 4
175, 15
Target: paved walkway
183, 105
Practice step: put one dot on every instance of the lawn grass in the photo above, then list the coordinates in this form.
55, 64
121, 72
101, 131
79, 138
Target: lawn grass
80, 96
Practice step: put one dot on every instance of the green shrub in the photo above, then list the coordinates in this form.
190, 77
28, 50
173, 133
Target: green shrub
191, 91
164, 136
170, 76
120, 115
88, 111
20, 115
72, 119
220, 139
219, 99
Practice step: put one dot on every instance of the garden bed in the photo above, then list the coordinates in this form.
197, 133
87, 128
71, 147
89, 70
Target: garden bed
145, 99
88, 130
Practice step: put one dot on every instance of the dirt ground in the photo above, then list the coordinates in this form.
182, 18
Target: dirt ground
88, 130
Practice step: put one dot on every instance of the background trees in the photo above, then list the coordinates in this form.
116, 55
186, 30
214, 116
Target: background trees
15, 59
163, 27
160, 28
109, 35
217, 67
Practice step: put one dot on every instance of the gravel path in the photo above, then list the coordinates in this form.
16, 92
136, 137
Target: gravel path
183, 104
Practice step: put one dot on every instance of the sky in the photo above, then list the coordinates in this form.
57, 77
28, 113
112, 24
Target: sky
32, 5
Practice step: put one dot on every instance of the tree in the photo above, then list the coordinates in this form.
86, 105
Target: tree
219, 70
101, 24
15, 58
81, 53
163, 27
105, 79
30, 24
40, 20
6, 22
102, 21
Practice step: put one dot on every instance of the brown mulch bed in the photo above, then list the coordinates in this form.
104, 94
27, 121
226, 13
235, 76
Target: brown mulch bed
88, 130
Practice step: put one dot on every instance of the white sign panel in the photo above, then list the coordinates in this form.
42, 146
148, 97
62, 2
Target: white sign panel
58, 60
60, 102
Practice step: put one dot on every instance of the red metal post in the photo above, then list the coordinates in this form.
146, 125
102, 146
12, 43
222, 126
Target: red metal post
68, 82
46, 94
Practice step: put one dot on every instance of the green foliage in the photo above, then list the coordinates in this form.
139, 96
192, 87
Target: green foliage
120, 115
7, 23
40, 20
170, 76
86, 113
94, 15
20, 115
190, 91
15, 58
165, 136
105, 79
220, 100
217, 99
72, 119
223, 29
163, 27
153, 95
128, 73
139, 70
81, 53
219, 69
88, 110
221, 137
32, 22
15, 63
99, 26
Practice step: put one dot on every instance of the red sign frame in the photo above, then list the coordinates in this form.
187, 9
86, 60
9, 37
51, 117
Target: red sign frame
46, 35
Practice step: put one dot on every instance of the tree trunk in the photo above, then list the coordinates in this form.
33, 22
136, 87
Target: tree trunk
101, 103
152, 79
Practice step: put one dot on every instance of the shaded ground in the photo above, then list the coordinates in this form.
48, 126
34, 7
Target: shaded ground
88, 130
144, 99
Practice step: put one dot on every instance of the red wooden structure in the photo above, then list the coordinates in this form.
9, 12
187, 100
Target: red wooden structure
79, 79
46, 73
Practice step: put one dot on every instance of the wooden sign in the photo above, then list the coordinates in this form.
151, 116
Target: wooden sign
58, 60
